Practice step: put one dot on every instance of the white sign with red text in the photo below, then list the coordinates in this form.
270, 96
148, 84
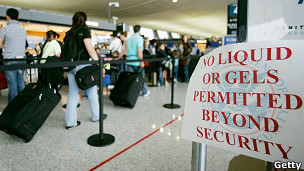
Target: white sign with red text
248, 98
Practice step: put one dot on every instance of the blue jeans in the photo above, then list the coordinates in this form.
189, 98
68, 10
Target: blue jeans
175, 71
71, 110
14, 80
120, 69
131, 68
186, 72
161, 79
85, 94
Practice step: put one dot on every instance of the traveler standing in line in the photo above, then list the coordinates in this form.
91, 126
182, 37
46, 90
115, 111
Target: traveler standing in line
12, 39
123, 54
176, 55
80, 29
123, 38
147, 55
211, 44
147, 50
115, 45
135, 46
52, 47
161, 54
152, 47
187, 49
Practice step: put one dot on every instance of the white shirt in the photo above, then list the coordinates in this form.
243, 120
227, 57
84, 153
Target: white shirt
115, 45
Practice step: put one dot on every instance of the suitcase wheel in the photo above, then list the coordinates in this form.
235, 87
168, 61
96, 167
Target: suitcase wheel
28, 139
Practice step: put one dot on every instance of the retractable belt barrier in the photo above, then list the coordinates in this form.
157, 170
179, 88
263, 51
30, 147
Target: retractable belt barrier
74, 63
101, 139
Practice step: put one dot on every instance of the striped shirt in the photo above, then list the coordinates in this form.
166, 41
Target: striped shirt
14, 39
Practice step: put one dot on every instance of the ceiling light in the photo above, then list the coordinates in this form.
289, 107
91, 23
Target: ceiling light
174, 0
114, 3
92, 23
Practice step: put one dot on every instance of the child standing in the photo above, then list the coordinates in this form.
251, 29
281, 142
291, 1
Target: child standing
176, 55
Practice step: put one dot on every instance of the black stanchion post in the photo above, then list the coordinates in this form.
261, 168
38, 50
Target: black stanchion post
172, 105
101, 139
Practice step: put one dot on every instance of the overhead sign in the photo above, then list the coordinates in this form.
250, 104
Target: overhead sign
232, 18
275, 20
229, 39
248, 98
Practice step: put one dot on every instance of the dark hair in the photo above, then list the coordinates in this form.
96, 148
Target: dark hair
12, 13
50, 33
124, 33
136, 28
152, 41
183, 38
188, 40
79, 20
175, 53
115, 33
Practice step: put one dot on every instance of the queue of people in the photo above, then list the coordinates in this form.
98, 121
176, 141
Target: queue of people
13, 40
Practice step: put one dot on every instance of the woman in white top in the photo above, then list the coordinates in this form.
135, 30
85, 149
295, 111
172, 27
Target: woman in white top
52, 47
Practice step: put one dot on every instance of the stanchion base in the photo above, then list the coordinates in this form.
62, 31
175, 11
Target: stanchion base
171, 106
104, 116
96, 141
152, 85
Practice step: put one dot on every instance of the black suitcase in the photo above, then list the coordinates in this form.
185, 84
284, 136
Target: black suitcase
127, 89
26, 113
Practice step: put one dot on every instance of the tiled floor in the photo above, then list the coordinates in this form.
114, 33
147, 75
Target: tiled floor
55, 148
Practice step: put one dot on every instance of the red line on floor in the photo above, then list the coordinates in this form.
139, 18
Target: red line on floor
119, 153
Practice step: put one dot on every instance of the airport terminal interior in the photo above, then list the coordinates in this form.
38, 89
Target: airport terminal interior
148, 134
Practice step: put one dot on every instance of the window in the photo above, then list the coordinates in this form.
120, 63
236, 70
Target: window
162, 34
176, 35
147, 33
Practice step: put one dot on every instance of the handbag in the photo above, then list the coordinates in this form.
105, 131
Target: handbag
87, 77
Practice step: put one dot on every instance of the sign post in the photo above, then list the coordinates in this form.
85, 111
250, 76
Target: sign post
199, 157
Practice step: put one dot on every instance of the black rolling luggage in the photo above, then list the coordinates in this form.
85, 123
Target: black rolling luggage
127, 89
26, 113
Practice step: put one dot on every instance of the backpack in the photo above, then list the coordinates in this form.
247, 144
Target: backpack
70, 49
